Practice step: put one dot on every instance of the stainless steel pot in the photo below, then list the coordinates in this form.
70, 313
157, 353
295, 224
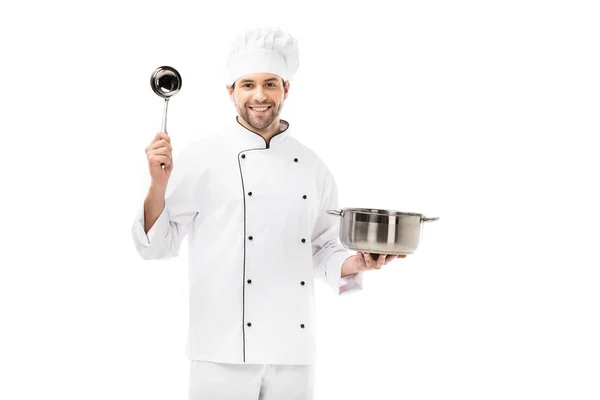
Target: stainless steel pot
380, 231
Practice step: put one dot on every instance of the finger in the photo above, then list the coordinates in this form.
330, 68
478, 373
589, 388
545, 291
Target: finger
389, 258
161, 152
374, 260
361, 257
163, 135
368, 260
402, 256
380, 261
164, 147
161, 159
160, 143
156, 137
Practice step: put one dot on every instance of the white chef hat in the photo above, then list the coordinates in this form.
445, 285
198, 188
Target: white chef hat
267, 50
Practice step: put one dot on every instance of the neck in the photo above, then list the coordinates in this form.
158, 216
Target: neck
266, 133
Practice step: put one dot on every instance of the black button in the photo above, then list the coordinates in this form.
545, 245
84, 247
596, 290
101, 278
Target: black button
302, 283
302, 326
303, 240
250, 237
304, 196
249, 324
295, 160
243, 156
249, 193
249, 280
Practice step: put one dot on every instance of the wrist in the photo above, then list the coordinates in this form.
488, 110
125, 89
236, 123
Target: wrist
157, 189
348, 267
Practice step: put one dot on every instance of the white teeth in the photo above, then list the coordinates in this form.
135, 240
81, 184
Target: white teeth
259, 108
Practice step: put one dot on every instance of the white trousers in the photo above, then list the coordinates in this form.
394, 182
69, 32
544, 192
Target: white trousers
210, 381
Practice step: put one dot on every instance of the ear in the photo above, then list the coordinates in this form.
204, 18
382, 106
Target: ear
230, 91
286, 88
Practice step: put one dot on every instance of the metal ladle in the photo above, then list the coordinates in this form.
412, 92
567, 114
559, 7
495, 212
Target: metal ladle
166, 82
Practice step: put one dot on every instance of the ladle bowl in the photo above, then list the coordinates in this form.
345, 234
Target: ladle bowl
165, 81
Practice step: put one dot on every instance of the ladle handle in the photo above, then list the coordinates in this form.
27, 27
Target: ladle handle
164, 124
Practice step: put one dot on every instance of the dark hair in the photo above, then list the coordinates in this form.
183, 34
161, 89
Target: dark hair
282, 82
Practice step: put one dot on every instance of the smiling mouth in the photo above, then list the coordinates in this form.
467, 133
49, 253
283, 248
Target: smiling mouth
259, 109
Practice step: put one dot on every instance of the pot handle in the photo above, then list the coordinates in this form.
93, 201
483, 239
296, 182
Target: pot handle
425, 219
339, 213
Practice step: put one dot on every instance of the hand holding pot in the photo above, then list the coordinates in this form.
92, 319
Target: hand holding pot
365, 261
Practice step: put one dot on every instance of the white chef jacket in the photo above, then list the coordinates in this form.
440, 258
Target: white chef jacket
258, 232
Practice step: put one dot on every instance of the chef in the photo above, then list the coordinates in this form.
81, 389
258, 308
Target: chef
252, 201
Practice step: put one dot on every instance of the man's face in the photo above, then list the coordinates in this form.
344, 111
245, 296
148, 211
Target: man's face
253, 93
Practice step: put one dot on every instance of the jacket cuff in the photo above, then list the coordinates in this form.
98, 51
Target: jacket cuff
333, 273
160, 227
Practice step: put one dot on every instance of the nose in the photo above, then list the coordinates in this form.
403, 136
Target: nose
259, 95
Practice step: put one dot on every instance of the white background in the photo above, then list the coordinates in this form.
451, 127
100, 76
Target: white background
481, 113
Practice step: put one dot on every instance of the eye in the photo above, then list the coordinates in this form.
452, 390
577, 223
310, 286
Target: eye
246, 84
271, 84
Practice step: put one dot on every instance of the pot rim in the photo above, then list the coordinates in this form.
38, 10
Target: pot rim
380, 211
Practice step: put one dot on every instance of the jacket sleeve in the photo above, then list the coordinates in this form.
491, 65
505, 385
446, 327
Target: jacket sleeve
164, 238
328, 252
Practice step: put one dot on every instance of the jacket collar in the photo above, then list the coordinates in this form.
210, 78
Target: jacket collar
253, 139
